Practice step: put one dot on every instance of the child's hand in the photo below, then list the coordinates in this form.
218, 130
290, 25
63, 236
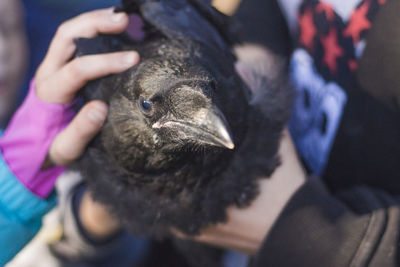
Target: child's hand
58, 79
36, 132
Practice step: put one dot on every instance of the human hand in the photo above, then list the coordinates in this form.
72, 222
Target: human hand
40, 125
57, 71
246, 228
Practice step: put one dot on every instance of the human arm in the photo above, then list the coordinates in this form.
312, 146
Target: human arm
46, 112
303, 224
357, 227
21, 210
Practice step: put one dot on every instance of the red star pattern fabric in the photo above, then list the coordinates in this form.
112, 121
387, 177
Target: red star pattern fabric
332, 50
358, 22
308, 29
327, 9
353, 64
330, 40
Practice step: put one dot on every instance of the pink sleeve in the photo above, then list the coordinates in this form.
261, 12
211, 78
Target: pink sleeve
26, 141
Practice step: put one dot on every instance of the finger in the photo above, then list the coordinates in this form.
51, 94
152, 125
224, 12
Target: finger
96, 218
87, 25
62, 86
70, 144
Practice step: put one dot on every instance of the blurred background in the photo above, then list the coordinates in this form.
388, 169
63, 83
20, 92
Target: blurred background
26, 29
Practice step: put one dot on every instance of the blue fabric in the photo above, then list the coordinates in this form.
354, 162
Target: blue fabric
21, 214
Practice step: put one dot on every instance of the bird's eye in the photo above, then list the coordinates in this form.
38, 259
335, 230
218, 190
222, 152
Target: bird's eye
145, 105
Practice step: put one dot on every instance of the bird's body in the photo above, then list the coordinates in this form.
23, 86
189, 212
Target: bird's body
185, 138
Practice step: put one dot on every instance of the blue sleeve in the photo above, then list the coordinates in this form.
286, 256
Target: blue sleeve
21, 214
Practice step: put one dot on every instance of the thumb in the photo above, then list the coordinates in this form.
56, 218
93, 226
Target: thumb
70, 144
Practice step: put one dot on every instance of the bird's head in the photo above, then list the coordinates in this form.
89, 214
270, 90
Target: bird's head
166, 110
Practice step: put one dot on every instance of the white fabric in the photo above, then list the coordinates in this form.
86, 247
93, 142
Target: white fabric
344, 8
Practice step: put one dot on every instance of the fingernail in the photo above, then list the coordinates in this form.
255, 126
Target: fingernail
130, 58
117, 17
98, 114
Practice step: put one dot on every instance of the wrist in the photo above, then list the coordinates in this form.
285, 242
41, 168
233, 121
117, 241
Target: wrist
26, 141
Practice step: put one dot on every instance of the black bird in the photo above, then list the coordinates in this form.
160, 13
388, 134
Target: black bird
184, 137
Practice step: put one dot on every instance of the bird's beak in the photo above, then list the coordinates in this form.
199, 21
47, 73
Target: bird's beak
211, 127
207, 126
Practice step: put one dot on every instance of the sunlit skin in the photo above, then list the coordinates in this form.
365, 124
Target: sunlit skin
13, 54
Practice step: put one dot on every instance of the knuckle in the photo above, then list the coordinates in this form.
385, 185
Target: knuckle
75, 68
41, 89
90, 16
63, 29
99, 15
57, 153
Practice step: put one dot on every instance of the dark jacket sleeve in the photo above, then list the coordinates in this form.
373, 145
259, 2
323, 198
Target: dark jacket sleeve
357, 227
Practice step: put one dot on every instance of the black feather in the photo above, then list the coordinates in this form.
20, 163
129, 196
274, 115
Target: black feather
145, 164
